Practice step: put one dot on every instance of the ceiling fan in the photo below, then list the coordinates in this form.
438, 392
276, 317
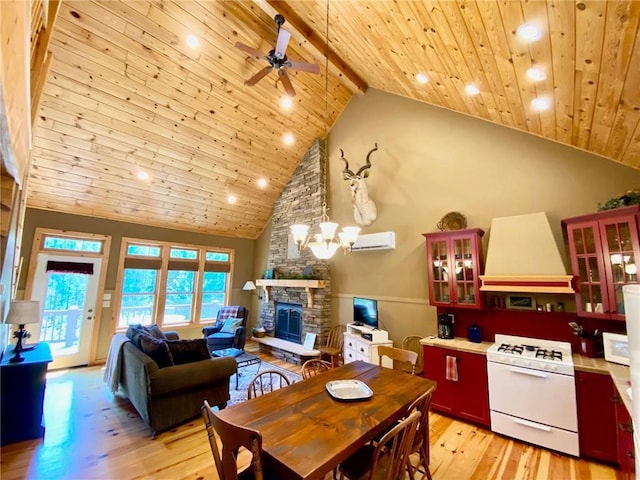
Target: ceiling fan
278, 60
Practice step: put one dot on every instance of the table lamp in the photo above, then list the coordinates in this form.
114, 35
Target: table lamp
22, 312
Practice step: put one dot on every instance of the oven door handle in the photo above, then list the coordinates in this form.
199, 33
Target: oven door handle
531, 373
531, 424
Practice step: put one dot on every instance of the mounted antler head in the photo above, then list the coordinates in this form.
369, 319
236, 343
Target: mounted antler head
365, 168
346, 173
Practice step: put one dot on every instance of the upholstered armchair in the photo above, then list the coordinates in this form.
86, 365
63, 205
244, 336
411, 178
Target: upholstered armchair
230, 329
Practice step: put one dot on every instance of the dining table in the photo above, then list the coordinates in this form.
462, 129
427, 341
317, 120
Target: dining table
306, 432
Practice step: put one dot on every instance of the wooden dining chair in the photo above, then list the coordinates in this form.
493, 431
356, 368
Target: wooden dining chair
421, 444
412, 342
236, 450
313, 367
404, 360
387, 459
333, 347
265, 382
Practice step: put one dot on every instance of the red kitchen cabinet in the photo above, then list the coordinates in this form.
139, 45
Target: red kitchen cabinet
468, 398
596, 416
626, 450
604, 248
454, 264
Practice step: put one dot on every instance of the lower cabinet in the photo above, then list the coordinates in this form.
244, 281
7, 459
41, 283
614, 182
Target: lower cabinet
357, 348
626, 450
597, 416
467, 398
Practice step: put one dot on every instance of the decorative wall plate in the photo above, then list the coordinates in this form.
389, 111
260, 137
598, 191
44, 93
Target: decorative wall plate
452, 221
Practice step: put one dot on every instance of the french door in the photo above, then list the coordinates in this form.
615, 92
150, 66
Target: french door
67, 288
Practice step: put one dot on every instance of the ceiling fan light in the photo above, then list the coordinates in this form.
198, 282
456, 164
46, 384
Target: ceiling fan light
286, 102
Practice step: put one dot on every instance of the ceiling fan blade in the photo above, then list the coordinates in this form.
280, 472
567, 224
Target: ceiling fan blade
250, 50
304, 67
286, 82
281, 43
262, 73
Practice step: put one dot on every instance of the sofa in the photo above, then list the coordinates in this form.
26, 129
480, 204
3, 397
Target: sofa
169, 390
230, 329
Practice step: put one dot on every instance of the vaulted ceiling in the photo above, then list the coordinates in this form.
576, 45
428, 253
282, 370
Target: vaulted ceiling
125, 93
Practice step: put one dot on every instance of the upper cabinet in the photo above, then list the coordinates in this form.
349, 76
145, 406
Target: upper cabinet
604, 249
454, 264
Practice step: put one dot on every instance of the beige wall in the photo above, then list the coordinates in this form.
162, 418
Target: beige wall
432, 161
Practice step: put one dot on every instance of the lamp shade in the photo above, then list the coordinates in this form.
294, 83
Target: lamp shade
22, 312
249, 285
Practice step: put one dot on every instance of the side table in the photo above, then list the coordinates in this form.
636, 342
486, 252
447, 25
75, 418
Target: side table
22, 388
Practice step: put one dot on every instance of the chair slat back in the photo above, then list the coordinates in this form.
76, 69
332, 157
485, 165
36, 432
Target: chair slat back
412, 342
265, 382
313, 367
232, 437
395, 446
421, 443
336, 337
404, 360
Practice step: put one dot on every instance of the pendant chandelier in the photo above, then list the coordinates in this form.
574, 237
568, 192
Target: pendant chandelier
325, 244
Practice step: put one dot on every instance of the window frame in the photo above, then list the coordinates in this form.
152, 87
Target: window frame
164, 263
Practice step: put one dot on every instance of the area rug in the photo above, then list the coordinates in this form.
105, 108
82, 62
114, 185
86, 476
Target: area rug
247, 374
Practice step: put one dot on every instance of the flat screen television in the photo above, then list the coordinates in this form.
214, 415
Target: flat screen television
365, 312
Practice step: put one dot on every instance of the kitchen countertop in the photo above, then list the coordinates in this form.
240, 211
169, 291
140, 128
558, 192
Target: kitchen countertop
619, 373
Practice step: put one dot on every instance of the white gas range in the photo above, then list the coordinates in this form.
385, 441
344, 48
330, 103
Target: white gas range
532, 393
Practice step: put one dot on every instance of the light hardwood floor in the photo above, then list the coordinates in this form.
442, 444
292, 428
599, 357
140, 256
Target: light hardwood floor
90, 434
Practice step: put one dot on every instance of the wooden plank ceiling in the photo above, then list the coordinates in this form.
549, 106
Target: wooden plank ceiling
125, 93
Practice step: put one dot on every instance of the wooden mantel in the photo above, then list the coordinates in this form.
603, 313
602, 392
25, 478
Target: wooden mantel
308, 285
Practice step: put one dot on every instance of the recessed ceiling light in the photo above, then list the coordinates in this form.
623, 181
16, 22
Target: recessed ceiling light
529, 32
192, 41
471, 89
422, 78
536, 74
262, 183
288, 138
286, 102
232, 199
142, 175
540, 103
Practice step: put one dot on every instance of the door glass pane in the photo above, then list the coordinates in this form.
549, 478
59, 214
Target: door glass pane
63, 311
179, 298
138, 297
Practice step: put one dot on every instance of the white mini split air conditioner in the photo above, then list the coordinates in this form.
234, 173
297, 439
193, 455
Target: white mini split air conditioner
375, 241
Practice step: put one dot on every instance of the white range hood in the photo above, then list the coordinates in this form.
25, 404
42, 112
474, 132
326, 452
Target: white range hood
523, 256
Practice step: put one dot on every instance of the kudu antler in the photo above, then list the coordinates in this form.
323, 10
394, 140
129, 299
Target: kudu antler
364, 209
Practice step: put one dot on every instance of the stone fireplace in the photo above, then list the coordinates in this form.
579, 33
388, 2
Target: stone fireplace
300, 202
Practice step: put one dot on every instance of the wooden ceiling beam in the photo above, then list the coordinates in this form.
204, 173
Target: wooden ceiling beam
315, 42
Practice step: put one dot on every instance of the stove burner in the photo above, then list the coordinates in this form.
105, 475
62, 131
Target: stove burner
548, 354
507, 348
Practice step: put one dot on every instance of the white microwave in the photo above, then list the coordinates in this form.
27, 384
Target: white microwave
616, 348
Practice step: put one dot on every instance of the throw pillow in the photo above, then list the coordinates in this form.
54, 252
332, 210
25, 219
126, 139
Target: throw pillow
133, 333
157, 349
154, 331
230, 325
187, 351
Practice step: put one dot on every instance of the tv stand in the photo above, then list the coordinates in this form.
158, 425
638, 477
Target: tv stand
356, 347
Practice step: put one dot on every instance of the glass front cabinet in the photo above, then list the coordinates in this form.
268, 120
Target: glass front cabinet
604, 251
454, 264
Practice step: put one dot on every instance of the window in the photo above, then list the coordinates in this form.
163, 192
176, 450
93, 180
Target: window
171, 284
51, 242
